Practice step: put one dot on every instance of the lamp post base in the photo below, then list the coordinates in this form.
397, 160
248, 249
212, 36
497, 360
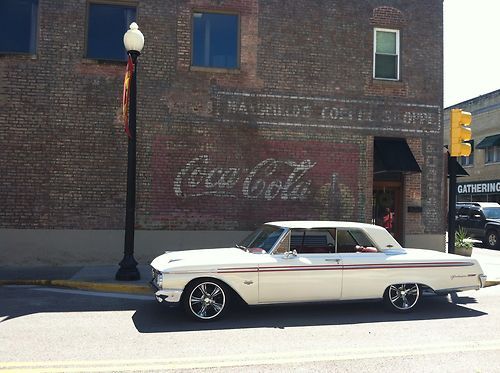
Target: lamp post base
128, 270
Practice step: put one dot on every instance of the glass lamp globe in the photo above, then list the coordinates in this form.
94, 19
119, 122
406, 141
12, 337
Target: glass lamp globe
133, 38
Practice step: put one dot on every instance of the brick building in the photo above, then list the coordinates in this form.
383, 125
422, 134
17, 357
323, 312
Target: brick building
248, 111
483, 165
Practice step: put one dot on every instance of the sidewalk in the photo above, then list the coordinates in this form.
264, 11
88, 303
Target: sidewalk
102, 278
96, 278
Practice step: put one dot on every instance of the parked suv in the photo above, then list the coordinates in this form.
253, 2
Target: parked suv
481, 220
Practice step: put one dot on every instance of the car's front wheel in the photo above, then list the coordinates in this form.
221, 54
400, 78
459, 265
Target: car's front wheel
402, 297
206, 300
492, 239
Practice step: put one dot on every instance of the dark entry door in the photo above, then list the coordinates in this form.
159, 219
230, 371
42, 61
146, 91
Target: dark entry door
387, 207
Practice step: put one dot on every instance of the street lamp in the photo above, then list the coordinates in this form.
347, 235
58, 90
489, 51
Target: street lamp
134, 42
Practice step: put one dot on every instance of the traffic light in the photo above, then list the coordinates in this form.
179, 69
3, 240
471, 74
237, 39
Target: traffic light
459, 133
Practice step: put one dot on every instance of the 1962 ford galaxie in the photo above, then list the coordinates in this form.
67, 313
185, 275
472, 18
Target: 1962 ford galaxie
306, 261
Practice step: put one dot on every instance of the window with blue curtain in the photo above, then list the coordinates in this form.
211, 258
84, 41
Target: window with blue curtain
18, 26
215, 40
106, 26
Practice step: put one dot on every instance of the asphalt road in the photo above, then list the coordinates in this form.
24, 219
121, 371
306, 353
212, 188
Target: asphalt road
56, 330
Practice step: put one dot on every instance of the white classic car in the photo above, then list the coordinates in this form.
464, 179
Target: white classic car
309, 261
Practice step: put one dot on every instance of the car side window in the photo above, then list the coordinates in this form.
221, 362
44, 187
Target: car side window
345, 242
476, 214
463, 212
312, 241
362, 239
284, 245
348, 241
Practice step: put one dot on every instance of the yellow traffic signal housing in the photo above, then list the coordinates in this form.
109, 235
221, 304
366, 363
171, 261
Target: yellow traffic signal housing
459, 133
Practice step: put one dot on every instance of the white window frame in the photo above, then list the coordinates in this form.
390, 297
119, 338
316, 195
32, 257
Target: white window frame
398, 54
496, 154
468, 161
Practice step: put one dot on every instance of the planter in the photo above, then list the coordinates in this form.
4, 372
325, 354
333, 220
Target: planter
464, 251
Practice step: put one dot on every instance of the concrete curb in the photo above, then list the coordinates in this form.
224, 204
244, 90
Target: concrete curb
491, 283
85, 285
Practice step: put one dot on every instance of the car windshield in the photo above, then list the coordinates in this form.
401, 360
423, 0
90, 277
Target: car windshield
263, 238
492, 212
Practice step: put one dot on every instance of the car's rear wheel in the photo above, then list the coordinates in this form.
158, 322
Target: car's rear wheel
402, 297
492, 239
206, 300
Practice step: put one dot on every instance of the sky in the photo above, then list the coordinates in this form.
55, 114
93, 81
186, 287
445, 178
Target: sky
471, 49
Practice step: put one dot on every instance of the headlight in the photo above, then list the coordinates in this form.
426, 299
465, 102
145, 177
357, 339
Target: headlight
157, 277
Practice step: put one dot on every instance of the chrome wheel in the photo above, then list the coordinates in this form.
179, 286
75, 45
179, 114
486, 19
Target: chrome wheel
492, 239
402, 297
206, 300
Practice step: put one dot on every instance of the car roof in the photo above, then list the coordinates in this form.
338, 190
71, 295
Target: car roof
480, 204
381, 238
310, 224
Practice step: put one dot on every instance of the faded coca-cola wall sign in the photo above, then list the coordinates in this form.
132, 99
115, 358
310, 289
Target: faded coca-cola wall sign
244, 185
267, 180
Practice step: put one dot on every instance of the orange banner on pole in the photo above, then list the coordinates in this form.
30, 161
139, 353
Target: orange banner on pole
126, 94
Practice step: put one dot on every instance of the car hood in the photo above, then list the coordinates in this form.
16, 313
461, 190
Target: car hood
496, 221
205, 258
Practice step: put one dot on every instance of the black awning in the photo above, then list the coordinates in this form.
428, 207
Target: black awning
393, 155
489, 141
459, 169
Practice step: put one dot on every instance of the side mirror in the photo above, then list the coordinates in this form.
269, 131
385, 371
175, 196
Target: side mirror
290, 254
477, 216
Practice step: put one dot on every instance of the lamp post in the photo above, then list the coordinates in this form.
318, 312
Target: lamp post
134, 42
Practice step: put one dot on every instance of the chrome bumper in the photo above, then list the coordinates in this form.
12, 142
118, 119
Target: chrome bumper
166, 295
482, 280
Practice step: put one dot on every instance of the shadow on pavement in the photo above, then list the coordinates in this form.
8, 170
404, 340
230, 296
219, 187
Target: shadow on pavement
151, 317
22, 300
156, 318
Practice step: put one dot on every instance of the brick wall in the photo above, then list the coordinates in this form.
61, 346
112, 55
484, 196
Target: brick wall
287, 136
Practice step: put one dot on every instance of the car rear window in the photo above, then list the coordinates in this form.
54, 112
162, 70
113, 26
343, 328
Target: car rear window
492, 212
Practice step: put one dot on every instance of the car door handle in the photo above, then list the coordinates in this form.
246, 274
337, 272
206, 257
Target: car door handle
333, 260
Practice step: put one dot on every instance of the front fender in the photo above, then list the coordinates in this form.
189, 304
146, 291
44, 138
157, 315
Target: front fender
490, 225
245, 284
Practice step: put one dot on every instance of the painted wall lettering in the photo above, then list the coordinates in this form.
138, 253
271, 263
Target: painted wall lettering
268, 180
326, 111
255, 180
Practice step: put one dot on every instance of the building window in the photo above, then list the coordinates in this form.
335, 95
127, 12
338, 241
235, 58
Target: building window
386, 54
215, 40
468, 161
105, 29
492, 154
18, 26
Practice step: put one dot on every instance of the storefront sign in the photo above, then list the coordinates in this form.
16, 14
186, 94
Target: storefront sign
480, 187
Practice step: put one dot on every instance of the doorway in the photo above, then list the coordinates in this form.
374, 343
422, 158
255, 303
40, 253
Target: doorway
387, 207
